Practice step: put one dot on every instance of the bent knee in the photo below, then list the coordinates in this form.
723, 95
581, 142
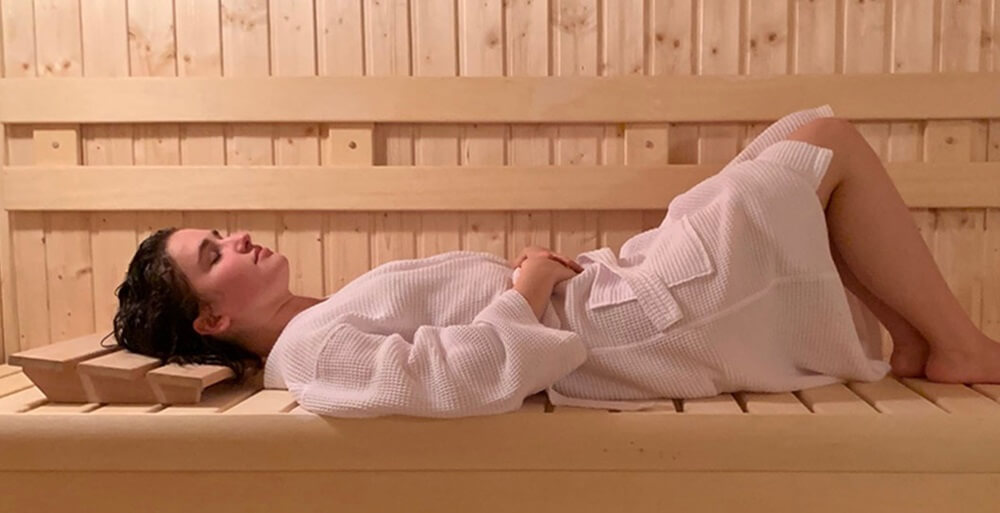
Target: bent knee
826, 132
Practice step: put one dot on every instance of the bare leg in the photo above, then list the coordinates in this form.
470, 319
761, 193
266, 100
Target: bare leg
909, 348
873, 230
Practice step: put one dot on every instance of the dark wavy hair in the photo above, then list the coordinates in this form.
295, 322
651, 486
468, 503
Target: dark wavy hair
156, 309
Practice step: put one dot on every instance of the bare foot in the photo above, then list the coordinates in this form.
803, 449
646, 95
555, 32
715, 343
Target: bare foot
909, 358
979, 365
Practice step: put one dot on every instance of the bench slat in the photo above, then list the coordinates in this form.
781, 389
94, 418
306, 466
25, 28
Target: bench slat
7, 370
954, 398
124, 365
888, 395
22, 401
265, 401
127, 409
62, 355
14, 383
63, 408
784, 403
215, 399
723, 404
835, 399
989, 390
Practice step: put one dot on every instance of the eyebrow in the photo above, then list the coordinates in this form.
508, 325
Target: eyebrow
205, 243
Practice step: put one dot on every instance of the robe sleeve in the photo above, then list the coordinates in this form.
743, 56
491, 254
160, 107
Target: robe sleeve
487, 367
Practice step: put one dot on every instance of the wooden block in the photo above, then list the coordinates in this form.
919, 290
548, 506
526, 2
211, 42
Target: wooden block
53, 368
57, 145
176, 384
350, 144
218, 398
119, 377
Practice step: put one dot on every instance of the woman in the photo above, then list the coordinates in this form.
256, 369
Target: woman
740, 288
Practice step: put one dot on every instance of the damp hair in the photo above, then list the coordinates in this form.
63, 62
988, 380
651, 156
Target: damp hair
157, 307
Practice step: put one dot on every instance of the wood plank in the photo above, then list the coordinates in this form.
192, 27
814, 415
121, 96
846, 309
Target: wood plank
198, 35
293, 53
216, 399
771, 403
811, 443
513, 99
835, 399
693, 492
22, 401
389, 54
191, 375
890, 396
23, 257
264, 401
482, 54
522, 186
7, 370
14, 383
64, 354
722, 404
126, 409
954, 398
50, 408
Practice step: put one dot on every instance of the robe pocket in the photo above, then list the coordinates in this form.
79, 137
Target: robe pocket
679, 255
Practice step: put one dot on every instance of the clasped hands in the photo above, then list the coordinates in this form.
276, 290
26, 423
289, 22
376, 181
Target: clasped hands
543, 262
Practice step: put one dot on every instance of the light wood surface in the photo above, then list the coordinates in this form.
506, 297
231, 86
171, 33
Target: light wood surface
494, 99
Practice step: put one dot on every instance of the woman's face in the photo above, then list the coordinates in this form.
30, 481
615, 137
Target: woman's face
240, 280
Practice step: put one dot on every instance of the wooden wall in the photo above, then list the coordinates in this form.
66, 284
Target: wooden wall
67, 265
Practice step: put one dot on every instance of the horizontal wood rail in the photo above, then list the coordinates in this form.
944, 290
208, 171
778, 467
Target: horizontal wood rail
620, 99
91, 188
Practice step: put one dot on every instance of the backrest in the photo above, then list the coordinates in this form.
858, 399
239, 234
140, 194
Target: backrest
366, 170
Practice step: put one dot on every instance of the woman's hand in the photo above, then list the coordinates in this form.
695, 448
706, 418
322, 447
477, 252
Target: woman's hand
546, 269
540, 252
535, 279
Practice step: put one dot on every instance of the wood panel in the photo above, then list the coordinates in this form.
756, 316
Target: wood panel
199, 54
293, 53
245, 53
481, 53
388, 50
694, 492
527, 47
347, 236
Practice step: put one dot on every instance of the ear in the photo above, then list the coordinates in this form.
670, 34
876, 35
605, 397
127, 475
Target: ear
208, 323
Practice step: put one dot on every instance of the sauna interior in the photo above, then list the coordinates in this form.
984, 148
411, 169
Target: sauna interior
339, 132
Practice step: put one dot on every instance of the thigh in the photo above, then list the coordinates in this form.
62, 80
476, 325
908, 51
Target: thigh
834, 134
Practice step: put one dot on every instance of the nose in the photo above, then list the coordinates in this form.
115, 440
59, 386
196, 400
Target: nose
243, 242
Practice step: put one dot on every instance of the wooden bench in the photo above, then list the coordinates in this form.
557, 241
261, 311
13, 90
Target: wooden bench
907, 445
82, 370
